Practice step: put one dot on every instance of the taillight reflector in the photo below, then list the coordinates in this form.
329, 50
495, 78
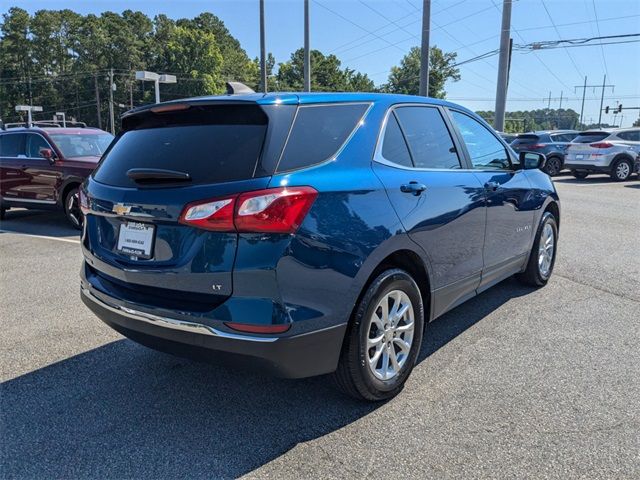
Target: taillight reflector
601, 145
249, 328
274, 210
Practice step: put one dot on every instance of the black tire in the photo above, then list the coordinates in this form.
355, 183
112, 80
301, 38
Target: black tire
354, 376
72, 208
533, 275
621, 170
3, 210
579, 174
553, 166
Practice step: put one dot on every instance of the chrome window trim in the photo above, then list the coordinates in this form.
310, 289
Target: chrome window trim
342, 146
172, 323
28, 200
379, 158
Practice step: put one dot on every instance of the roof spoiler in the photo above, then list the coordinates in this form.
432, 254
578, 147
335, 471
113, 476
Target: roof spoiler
236, 88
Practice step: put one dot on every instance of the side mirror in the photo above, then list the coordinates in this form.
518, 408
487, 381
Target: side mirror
48, 154
532, 160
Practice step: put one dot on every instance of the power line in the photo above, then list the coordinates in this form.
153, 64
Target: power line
604, 60
560, 36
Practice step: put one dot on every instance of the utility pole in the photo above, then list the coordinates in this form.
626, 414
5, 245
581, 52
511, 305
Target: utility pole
111, 87
604, 81
131, 95
549, 102
424, 48
503, 66
584, 91
307, 59
263, 53
560, 107
95, 78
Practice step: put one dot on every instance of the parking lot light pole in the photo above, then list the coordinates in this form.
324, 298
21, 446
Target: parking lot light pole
64, 118
28, 109
157, 79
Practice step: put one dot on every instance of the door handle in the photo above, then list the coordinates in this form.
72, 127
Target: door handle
413, 187
493, 186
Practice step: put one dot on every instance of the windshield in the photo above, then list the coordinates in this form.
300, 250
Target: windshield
82, 144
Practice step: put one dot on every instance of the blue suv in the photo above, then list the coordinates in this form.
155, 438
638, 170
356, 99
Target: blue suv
308, 233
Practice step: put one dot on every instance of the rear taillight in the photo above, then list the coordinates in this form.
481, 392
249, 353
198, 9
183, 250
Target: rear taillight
274, 210
601, 145
84, 202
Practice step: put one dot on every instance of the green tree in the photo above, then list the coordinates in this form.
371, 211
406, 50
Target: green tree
406, 77
326, 74
637, 123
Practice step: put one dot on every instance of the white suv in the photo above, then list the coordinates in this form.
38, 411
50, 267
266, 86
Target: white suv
615, 152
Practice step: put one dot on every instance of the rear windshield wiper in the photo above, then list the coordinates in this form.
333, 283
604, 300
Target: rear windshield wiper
157, 175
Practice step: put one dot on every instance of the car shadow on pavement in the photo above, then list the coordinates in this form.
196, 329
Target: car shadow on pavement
589, 180
38, 222
635, 185
123, 411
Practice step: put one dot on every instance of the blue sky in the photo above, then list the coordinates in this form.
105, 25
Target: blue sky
373, 35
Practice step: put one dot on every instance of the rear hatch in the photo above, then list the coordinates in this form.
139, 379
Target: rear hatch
526, 142
168, 157
583, 142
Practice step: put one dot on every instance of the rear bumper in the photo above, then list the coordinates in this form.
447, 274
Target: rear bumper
588, 168
295, 356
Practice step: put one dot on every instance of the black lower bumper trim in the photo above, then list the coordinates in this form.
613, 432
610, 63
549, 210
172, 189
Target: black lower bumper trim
297, 356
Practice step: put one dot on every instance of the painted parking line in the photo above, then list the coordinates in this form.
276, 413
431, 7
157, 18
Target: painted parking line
59, 239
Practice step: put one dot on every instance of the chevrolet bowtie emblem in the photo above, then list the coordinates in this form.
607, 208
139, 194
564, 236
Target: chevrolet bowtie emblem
121, 209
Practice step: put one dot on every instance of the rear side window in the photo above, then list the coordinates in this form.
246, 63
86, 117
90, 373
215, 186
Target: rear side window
12, 145
394, 148
318, 132
632, 135
215, 144
589, 137
428, 138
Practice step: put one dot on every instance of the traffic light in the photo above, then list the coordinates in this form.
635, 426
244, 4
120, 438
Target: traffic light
606, 109
620, 108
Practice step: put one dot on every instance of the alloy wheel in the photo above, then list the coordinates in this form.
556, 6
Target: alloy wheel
545, 250
73, 209
622, 170
390, 335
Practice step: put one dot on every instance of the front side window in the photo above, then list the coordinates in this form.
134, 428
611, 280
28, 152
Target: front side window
12, 145
485, 150
34, 144
318, 132
428, 138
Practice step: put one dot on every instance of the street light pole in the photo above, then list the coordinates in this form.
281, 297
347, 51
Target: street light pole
157, 79
28, 109
307, 59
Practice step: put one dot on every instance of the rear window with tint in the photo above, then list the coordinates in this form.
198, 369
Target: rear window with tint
211, 144
525, 139
589, 137
12, 145
318, 132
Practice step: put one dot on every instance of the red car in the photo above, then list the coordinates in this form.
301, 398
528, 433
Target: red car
42, 168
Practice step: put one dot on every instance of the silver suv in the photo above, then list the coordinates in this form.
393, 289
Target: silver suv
612, 151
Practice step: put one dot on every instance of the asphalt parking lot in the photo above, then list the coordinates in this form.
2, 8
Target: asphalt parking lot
514, 383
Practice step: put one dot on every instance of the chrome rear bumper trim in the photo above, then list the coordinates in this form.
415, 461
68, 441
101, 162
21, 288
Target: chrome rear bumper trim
173, 323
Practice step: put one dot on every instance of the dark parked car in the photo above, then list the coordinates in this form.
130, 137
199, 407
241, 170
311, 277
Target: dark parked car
552, 143
508, 137
310, 233
42, 168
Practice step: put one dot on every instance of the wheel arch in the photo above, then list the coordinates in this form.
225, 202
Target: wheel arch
66, 187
